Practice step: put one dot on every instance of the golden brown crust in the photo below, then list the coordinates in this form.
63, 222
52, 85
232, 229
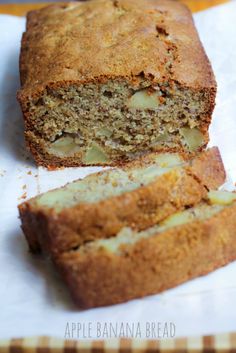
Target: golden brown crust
141, 208
162, 28
208, 167
152, 265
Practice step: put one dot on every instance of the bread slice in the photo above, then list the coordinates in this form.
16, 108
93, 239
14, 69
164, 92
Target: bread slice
132, 265
93, 96
137, 196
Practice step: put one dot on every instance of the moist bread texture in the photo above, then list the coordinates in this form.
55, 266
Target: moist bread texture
137, 196
91, 95
187, 245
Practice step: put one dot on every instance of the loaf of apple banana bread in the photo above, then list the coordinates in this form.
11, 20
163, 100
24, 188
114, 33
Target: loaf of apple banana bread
106, 81
137, 196
133, 264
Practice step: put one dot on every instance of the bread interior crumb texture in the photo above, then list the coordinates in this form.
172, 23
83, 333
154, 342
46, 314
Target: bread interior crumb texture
109, 183
106, 121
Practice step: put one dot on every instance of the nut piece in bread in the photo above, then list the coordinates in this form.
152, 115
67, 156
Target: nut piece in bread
93, 96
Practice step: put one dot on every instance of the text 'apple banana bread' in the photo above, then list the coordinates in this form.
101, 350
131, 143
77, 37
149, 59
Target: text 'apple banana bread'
106, 81
137, 196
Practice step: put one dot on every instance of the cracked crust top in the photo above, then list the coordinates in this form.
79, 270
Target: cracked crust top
99, 39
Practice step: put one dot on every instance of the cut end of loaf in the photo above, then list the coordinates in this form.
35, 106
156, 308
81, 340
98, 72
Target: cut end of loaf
113, 122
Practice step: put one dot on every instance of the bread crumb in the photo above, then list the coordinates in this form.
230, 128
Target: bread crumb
23, 196
2, 172
53, 168
24, 187
29, 173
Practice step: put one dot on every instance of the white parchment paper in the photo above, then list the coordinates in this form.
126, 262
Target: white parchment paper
33, 300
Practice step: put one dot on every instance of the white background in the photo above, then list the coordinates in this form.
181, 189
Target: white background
33, 301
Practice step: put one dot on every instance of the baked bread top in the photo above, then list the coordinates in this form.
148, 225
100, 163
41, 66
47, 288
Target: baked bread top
100, 39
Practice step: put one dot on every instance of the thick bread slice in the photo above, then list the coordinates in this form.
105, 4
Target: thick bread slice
133, 265
100, 205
